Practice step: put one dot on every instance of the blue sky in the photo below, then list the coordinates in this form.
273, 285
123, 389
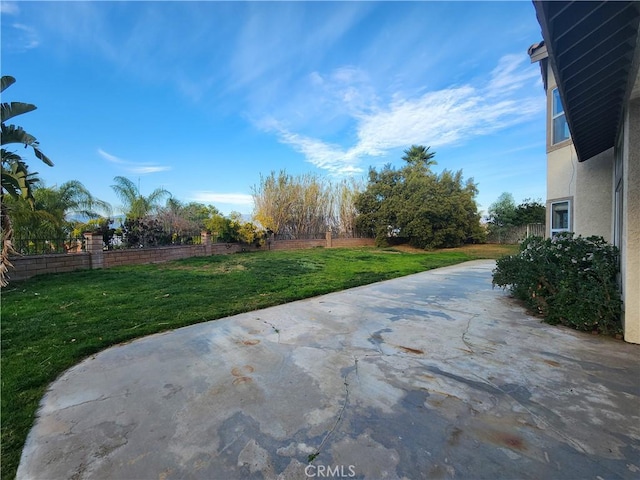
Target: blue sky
204, 97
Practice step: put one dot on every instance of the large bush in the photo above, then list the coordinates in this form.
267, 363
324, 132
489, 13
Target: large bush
570, 280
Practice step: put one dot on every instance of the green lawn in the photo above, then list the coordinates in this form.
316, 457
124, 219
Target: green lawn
51, 322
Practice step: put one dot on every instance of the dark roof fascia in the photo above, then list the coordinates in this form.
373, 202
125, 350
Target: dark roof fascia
542, 14
542, 9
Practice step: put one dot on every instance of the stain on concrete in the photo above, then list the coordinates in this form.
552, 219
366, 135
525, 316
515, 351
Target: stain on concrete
376, 337
240, 371
415, 351
370, 378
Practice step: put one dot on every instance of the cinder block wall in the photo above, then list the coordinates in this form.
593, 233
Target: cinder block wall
296, 244
352, 242
114, 258
29, 266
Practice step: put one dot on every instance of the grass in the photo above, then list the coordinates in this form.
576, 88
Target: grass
51, 322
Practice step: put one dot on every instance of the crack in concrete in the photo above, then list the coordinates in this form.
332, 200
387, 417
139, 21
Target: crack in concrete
466, 331
102, 398
314, 455
355, 359
275, 329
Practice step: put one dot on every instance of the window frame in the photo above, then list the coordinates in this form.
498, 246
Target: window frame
555, 93
569, 227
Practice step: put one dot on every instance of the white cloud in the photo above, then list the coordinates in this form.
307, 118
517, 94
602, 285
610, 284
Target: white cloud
148, 169
509, 75
18, 37
323, 155
29, 36
223, 198
436, 118
133, 167
109, 157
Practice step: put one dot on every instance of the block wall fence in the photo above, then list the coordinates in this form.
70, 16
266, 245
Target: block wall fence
95, 257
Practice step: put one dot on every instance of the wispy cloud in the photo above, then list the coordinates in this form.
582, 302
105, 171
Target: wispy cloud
133, 167
9, 8
436, 118
223, 198
16, 36
271, 40
323, 155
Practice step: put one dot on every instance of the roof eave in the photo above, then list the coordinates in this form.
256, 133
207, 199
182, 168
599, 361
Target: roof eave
580, 60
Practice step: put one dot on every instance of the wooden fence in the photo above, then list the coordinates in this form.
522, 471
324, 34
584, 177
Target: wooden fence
513, 235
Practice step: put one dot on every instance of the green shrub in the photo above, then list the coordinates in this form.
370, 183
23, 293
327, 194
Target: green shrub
569, 280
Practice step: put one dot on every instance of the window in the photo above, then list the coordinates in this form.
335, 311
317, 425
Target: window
560, 217
560, 129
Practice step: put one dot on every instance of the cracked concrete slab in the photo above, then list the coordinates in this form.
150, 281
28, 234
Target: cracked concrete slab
434, 375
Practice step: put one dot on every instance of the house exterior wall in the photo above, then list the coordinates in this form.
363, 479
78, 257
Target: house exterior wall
593, 209
587, 185
561, 173
630, 244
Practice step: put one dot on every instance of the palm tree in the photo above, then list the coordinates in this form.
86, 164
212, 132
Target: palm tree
137, 205
419, 155
49, 219
17, 180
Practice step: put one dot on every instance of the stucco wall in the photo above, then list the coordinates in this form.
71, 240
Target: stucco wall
561, 173
561, 179
593, 209
631, 226
589, 187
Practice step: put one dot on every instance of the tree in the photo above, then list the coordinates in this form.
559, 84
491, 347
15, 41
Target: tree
137, 205
530, 211
183, 219
502, 212
52, 208
303, 205
504, 215
419, 206
419, 155
17, 180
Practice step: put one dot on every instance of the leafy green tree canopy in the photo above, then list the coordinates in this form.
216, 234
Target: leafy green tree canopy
502, 212
530, 211
505, 213
428, 210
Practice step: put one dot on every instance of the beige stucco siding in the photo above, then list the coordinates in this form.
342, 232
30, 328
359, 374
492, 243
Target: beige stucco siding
631, 226
593, 209
561, 173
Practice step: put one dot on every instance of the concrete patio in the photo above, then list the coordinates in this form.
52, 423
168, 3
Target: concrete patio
435, 375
